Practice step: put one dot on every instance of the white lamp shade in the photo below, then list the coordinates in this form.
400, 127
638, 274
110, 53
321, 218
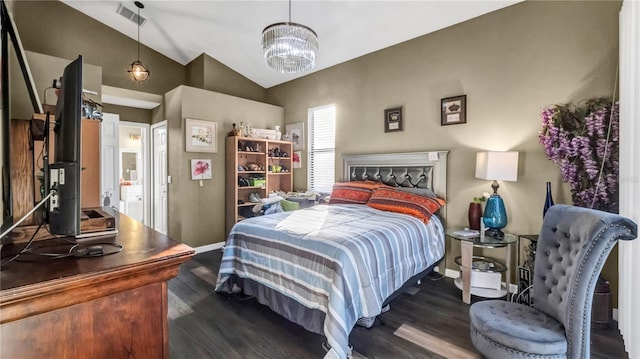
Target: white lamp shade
500, 166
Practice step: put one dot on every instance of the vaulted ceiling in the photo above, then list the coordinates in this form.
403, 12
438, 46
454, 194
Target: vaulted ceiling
230, 31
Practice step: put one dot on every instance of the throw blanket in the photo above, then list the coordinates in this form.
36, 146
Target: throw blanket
342, 259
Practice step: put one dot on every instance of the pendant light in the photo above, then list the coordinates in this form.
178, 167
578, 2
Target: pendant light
138, 71
289, 47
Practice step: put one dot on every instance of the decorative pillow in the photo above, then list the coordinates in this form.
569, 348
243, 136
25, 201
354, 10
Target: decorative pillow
420, 191
288, 206
356, 192
392, 200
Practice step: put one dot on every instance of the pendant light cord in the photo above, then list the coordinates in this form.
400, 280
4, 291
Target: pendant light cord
289, 10
138, 5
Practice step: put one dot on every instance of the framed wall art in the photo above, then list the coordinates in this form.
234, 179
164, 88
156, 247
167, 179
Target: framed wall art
296, 135
201, 169
201, 136
454, 110
297, 155
393, 119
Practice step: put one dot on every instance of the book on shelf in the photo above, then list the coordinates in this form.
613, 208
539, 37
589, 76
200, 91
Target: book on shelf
468, 233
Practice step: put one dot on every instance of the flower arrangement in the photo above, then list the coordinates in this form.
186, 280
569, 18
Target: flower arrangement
583, 141
482, 198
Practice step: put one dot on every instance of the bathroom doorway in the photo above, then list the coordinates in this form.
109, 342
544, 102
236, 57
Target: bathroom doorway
134, 170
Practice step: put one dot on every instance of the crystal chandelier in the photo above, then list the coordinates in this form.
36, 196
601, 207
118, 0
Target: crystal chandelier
138, 71
289, 47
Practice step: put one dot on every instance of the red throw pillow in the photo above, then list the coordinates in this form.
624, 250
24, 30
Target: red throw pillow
356, 192
389, 199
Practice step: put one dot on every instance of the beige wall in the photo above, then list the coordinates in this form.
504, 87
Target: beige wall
196, 214
509, 63
210, 74
44, 69
195, 72
53, 28
70, 33
129, 114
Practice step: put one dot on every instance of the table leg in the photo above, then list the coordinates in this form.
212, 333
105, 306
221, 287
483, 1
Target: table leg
508, 269
466, 247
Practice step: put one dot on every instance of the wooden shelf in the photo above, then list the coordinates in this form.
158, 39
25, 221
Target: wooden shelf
484, 292
274, 181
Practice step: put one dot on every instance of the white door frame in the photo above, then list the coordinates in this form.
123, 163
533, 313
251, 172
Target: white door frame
152, 176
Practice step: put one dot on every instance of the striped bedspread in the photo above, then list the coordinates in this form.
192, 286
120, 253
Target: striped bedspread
343, 259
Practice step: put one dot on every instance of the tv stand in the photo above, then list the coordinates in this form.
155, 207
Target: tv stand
107, 307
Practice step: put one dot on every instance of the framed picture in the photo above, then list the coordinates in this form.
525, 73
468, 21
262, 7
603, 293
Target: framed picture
296, 134
454, 110
201, 136
201, 169
296, 159
393, 119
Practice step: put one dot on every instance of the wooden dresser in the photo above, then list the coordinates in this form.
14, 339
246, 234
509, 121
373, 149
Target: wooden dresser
114, 306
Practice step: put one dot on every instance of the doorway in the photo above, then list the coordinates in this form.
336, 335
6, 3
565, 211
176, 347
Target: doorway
133, 170
124, 167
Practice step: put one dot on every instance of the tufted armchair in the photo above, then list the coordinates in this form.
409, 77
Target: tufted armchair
573, 245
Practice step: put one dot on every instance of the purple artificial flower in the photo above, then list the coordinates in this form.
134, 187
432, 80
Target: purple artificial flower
584, 142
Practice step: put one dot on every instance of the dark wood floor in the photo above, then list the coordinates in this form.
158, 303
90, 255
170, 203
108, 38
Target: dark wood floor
432, 322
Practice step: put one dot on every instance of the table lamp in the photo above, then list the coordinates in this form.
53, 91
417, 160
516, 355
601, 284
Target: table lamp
496, 166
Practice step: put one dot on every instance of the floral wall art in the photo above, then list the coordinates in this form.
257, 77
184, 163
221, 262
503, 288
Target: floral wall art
200, 169
582, 140
297, 163
200, 136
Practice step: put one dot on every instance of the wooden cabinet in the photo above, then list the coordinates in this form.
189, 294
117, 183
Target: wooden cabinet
254, 166
113, 306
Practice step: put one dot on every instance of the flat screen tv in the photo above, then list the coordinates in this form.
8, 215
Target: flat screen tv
64, 172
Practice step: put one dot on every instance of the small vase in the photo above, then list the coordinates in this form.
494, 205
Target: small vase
475, 213
278, 133
548, 202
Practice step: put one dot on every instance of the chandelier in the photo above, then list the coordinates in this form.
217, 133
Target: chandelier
138, 71
289, 47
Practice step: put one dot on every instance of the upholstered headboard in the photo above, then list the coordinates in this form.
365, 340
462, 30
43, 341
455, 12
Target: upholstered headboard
408, 169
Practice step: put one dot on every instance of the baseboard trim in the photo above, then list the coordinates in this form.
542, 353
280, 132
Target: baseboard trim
209, 247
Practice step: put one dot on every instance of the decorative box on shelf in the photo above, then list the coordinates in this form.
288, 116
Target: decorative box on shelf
264, 133
485, 273
257, 182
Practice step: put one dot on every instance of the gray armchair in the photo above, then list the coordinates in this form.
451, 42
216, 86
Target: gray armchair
573, 245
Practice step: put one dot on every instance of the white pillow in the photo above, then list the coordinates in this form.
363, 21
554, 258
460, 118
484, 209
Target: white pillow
271, 200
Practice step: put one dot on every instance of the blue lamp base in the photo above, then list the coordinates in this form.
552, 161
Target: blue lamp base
494, 217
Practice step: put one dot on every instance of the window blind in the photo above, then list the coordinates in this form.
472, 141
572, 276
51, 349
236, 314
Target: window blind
322, 148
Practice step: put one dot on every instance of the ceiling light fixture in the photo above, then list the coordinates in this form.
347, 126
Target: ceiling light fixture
289, 47
138, 71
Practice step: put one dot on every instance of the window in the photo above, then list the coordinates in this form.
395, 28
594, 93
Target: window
322, 148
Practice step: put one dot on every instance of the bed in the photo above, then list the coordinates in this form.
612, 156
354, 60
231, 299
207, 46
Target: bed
327, 266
